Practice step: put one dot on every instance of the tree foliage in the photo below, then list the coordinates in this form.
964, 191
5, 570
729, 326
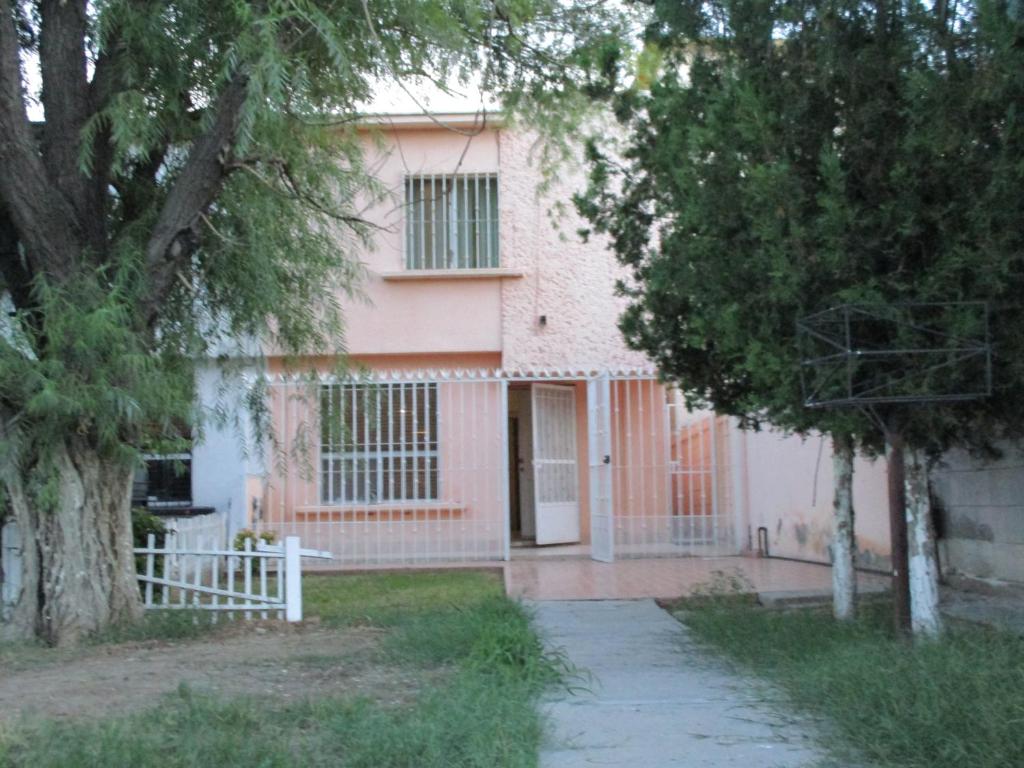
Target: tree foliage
194, 187
196, 181
791, 156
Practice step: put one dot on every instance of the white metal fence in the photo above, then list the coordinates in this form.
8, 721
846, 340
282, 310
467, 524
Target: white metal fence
10, 567
413, 468
263, 582
396, 468
670, 487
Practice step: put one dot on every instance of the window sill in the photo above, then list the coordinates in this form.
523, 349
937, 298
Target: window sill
417, 511
451, 274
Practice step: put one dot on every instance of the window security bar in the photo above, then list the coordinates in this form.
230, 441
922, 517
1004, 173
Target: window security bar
452, 221
378, 443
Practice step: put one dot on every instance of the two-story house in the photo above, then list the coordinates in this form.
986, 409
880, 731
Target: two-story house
492, 402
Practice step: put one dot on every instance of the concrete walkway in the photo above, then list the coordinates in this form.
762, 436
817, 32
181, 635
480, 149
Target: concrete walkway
654, 700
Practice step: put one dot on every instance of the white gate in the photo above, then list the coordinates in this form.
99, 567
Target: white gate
599, 446
670, 475
695, 477
556, 476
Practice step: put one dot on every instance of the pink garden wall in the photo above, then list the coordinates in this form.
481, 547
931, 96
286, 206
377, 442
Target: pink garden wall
788, 486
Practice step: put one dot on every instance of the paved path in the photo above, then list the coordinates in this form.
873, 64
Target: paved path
654, 699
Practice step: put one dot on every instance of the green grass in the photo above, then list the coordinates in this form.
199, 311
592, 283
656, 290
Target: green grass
164, 625
384, 599
482, 715
957, 702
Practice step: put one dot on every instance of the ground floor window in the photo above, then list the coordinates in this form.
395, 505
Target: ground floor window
164, 482
378, 443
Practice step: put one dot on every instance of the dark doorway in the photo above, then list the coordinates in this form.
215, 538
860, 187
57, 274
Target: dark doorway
513, 477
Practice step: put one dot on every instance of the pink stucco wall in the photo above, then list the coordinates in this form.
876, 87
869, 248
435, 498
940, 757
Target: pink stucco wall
568, 281
545, 269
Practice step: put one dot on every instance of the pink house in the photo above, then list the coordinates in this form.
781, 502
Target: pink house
492, 403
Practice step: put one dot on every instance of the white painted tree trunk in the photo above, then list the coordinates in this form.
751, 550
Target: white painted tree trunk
925, 618
844, 543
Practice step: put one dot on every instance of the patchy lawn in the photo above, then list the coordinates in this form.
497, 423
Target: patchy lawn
952, 703
408, 669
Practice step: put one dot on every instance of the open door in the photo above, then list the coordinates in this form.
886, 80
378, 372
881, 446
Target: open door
599, 448
556, 476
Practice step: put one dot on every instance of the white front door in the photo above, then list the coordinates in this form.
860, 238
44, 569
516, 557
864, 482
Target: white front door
556, 476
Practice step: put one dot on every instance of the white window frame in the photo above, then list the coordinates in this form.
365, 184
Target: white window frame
379, 485
470, 242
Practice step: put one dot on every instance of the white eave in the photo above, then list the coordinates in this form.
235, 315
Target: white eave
568, 373
439, 120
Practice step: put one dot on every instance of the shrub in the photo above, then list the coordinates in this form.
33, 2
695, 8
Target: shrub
266, 537
143, 524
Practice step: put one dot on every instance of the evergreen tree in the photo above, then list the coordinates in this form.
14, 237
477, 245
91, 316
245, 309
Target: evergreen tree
792, 156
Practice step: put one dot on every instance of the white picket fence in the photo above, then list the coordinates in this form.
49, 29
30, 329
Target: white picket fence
211, 529
252, 582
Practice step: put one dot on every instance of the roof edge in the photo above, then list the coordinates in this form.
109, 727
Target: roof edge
437, 120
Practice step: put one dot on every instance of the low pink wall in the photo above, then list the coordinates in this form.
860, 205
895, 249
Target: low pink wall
789, 492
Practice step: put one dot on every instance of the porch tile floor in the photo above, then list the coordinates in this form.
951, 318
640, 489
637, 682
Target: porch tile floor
578, 579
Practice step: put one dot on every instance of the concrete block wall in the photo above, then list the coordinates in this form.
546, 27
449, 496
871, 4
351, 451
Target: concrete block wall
980, 514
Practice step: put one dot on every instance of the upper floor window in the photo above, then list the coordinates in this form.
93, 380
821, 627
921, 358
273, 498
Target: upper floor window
452, 221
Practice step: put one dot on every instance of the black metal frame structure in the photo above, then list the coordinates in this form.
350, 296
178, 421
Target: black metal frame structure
863, 355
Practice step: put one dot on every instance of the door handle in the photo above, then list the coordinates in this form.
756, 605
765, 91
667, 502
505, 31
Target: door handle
607, 459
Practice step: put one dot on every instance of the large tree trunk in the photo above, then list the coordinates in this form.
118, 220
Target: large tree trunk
844, 543
924, 564
73, 509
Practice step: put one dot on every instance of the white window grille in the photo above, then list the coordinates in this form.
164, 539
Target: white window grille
452, 221
378, 443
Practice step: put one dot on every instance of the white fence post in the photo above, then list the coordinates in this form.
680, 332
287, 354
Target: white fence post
292, 579
150, 560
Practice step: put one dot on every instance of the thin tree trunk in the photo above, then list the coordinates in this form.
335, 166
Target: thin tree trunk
74, 512
844, 543
924, 564
898, 533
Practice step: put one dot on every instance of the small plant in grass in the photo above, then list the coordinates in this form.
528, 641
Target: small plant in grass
246, 534
723, 589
